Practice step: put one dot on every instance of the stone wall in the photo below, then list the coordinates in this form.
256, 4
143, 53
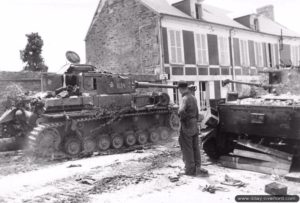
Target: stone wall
30, 81
124, 38
12, 83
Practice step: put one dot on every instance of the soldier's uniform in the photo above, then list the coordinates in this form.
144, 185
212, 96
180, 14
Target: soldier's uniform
188, 139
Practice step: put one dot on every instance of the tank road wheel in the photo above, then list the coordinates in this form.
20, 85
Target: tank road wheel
154, 136
142, 137
47, 142
89, 145
130, 138
174, 121
164, 133
117, 141
104, 142
73, 146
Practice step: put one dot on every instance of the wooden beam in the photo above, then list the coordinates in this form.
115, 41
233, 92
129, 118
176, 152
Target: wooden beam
256, 163
259, 169
266, 150
259, 156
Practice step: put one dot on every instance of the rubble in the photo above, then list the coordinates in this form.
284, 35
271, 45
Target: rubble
233, 182
212, 189
74, 165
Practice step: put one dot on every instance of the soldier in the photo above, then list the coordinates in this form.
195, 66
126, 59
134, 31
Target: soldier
188, 139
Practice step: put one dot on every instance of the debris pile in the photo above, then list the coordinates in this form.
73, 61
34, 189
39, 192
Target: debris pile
117, 182
280, 100
159, 160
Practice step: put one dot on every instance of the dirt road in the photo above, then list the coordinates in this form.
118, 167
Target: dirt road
149, 175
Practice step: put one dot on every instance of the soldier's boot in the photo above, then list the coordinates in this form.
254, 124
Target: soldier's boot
201, 172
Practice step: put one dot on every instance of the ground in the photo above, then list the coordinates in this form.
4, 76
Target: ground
142, 175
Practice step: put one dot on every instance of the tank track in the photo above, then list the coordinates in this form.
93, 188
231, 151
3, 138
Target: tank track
44, 140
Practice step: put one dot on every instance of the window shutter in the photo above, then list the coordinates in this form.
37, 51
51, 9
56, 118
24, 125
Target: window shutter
165, 45
179, 47
251, 53
213, 49
276, 54
236, 50
204, 49
173, 46
189, 47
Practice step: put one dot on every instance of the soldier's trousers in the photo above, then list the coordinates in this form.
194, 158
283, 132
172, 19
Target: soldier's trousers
190, 152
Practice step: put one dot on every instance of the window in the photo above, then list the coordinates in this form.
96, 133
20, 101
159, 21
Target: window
259, 60
198, 8
256, 24
176, 50
201, 49
223, 51
244, 53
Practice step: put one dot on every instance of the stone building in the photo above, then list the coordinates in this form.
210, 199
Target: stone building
190, 41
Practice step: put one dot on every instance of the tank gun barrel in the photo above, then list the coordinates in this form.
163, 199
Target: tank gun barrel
265, 86
153, 85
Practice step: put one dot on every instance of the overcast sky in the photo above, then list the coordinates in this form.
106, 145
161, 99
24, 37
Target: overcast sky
63, 25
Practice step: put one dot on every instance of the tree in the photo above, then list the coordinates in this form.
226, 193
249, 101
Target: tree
32, 54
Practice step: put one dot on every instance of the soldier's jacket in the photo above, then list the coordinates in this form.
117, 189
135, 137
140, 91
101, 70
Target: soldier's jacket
188, 112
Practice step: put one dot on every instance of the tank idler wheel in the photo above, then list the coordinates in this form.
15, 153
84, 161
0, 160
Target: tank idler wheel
104, 142
73, 146
142, 137
164, 133
117, 141
48, 141
89, 145
174, 121
154, 136
130, 138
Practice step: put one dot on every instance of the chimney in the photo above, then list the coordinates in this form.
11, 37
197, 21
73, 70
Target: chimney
267, 11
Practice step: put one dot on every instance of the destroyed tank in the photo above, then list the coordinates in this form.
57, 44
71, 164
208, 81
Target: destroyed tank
271, 119
96, 111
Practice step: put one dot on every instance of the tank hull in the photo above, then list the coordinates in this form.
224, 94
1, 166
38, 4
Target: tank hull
276, 126
261, 120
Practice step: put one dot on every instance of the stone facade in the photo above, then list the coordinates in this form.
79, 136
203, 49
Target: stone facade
124, 38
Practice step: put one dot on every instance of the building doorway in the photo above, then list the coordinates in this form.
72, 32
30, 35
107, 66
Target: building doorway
203, 96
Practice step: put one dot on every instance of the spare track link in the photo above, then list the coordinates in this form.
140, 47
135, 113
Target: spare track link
36, 133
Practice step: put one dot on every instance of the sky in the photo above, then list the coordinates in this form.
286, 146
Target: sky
63, 25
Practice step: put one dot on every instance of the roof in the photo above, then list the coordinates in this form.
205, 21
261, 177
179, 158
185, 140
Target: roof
216, 15
269, 26
163, 7
210, 13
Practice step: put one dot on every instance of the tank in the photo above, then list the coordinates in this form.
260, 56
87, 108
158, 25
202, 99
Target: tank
271, 119
92, 111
